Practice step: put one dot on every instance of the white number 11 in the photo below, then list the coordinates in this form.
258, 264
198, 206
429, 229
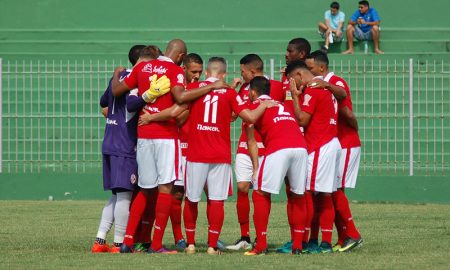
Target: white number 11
208, 102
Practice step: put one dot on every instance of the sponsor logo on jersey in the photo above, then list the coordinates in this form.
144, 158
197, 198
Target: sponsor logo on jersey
288, 95
151, 109
184, 145
207, 128
283, 118
149, 68
111, 122
333, 121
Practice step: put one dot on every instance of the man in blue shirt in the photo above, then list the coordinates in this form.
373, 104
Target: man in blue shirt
364, 25
332, 29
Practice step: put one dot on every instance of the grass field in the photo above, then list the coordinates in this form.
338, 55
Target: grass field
59, 234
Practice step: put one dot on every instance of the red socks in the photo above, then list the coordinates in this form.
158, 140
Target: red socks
343, 209
299, 219
326, 217
215, 221
261, 206
309, 214
136, 211
190, 214
315, 225
145, 230
163, 206
243, 212
175, 219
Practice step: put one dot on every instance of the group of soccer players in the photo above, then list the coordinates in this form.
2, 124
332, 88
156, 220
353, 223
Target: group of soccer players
169, 132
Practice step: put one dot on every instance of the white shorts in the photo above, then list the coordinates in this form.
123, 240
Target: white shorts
243, 167
180, 181
323, 166
217, 177
348, 167
158, 161
291, 162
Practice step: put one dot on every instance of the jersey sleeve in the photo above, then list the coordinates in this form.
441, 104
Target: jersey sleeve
237, 104
375, 17
104, 97
309, 100
355, 16
342, 17
176, 77
132, 79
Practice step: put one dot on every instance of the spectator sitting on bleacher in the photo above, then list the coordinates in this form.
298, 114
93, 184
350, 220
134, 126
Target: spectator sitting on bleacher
332, 29
364, 25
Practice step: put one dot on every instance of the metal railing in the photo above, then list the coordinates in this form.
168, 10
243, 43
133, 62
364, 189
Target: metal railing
51, 119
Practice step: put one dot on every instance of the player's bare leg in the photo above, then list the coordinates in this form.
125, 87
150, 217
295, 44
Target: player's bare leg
326, 32
350, 30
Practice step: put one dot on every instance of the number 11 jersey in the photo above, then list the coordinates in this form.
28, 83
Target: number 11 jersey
209, 124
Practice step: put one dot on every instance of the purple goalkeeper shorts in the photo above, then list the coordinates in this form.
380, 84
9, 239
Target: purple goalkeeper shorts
119, 172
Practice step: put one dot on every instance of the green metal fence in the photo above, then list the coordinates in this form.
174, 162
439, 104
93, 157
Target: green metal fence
51, 120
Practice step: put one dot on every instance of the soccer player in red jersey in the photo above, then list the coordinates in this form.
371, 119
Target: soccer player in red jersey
348, 235
158, 151
209, 153
297, 49
251, 66
285, 155
316, 110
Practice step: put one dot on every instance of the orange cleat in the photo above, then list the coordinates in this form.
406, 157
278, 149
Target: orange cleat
98, 248
114, 249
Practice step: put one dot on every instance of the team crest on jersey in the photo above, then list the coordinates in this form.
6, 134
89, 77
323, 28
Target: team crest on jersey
307, 99
340, 83
149, 68
180, 78
133, 179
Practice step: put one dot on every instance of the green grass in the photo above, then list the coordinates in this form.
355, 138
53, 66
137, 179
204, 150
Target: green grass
59, 234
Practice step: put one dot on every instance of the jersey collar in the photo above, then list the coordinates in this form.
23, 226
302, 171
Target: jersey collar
211, 79
328, 77
165, 58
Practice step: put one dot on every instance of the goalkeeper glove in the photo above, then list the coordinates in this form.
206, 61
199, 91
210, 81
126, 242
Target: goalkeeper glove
158, 87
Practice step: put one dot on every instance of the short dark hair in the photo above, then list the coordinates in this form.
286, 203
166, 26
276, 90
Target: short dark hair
261, 84
134, 53
151, 51
364, 3
192, 58
217, 59
295, 65
334, 5
253, 60
319, 56
301, 45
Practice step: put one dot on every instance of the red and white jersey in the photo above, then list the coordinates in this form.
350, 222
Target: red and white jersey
278, 128
209, 124
323, 108
183, 136
276, 93
139, 78
348, 136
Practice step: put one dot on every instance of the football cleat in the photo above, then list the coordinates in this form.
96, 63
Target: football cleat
297, 251
213, 251
114, 249
162, 250
336, 247
305, 249
126, 249
313, 247
325, 248
190, 249
286, 248
241, 243
141, 247
181, 245
221, 245
99, 248
350, 244
255, 252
